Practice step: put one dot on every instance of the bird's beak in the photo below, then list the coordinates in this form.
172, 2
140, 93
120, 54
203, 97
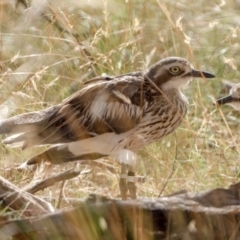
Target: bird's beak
226, 99
202, 74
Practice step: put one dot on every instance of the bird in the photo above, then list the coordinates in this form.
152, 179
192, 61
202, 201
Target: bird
109, 116
233, 98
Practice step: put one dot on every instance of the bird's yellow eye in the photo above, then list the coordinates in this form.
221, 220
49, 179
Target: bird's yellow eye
174, 70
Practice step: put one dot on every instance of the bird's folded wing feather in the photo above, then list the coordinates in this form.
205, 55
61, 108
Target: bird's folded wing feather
103, 106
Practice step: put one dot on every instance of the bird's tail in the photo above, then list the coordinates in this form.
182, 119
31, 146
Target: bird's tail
22, 130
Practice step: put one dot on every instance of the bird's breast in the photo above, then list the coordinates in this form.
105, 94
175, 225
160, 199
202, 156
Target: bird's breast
160, 118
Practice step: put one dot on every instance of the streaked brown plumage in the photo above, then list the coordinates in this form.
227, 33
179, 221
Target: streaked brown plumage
108, 116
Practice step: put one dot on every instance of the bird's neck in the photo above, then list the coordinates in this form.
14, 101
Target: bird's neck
175, 93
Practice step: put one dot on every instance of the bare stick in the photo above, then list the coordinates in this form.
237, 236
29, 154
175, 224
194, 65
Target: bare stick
17, 199
69, 174
61, 193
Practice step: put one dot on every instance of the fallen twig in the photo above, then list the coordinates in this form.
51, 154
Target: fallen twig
17, 199
69, 174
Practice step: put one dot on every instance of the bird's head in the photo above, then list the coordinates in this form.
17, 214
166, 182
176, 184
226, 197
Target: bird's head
233, 99
174, 72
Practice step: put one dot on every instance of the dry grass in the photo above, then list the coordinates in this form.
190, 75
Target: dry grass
41, 64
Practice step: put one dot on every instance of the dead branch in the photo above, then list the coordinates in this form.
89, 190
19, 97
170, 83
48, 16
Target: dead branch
213, 214
69, 174
13, 197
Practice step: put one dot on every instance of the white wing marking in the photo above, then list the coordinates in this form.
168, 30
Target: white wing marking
106, 144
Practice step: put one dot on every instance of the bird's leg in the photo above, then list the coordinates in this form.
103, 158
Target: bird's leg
123, 181
131, 179
127, 177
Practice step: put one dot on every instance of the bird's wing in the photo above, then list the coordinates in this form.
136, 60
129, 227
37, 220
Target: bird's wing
92, 121
103, 106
